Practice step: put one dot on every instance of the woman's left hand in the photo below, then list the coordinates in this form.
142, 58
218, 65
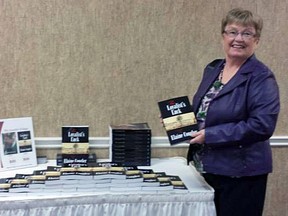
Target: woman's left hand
198, 137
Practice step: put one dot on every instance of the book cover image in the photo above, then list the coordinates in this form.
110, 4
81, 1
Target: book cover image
178, 118
25, 142
75, 139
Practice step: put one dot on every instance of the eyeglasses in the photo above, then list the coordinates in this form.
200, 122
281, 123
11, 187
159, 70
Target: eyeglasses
244, 35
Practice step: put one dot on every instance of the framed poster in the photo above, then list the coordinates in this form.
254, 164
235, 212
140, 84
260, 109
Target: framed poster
17, 145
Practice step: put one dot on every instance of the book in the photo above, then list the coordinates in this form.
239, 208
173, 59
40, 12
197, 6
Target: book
133, 174
100, 173
75, 160
5, 184
37, 180
164, 180
117, 173
52, 175
149, 178
19, 185
75, 146
108, 170
178, 184
92, 159
75, 139
85, 173
67, 173
178, 118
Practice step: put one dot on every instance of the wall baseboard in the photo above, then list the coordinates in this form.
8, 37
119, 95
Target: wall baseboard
156, 142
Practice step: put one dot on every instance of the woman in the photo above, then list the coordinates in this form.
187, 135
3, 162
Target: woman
237, 105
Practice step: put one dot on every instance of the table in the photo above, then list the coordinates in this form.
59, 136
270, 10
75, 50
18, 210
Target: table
198, 201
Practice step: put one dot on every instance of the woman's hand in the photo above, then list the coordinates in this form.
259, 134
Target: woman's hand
161, 120
198, 137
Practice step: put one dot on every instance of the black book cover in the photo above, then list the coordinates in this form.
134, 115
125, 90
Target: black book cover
108, 164
100, 171
39, 172
5, 184
135, 138
85, 171
53, 173
149, 175
126, 157
75, 160
132, 172
37, 179
25, 141
117, 171
131, 150
22, 176
109, 170
19, 185
53, 168
67, 171
177, 182
178, 119
133, 162
131, 128
131, 145
75, 139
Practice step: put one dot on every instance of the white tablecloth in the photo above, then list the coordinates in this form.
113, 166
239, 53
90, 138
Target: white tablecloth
198, 201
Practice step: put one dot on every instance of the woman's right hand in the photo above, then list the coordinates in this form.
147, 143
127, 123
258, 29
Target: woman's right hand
161, 120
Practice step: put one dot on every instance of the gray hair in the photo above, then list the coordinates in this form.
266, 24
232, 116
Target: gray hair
243, 17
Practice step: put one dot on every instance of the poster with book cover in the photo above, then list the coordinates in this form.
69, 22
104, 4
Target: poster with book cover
17, 146
178, 118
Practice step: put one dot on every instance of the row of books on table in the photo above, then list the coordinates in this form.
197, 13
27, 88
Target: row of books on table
105, 176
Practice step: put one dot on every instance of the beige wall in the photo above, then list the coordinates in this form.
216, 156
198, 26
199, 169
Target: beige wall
277, 191
102, 62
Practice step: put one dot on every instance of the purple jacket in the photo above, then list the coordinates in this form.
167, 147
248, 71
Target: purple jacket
240, 120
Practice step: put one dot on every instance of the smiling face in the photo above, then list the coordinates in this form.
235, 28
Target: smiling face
241, 31
239, 42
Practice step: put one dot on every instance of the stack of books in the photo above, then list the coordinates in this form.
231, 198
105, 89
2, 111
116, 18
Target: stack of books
103, 177
130, 144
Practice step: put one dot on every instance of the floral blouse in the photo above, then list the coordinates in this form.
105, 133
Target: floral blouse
210, 95
201, 117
